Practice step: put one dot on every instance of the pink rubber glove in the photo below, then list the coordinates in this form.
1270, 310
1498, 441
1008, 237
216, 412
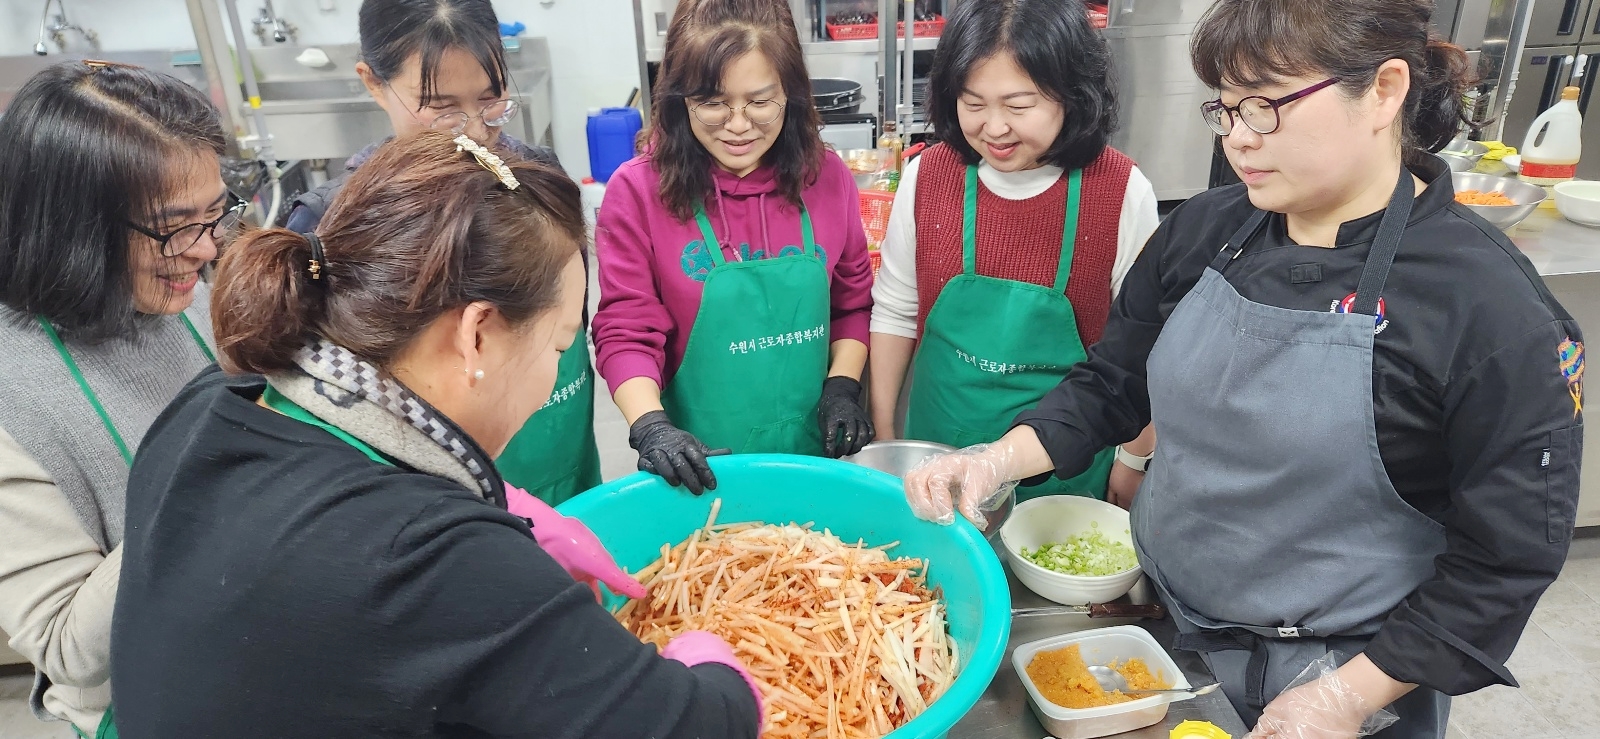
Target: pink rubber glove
701, 647
572, 545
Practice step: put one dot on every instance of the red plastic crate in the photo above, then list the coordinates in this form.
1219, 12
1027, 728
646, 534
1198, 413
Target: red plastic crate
858, 31
1098, 15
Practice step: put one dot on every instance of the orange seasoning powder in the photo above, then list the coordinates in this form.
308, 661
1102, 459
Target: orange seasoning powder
1063, 678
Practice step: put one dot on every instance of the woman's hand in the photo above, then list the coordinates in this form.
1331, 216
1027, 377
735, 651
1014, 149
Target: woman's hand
572, 545
1123, 485
1330, 703
1124, 482
975, 479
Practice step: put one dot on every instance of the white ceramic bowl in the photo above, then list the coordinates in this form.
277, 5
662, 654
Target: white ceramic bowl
1579, 202
1051, 519
1098, 647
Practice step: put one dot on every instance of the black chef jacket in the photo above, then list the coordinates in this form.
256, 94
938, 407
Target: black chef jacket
1477, 424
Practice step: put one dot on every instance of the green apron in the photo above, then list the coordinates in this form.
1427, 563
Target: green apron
278, 402
107, 730
554, 455
758, 352
992, 348
108, 726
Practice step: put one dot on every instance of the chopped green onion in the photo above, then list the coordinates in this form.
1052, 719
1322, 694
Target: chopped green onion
1085, 555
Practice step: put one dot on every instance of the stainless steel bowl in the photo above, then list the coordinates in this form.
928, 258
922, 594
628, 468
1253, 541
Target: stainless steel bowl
899, 457
1527, 197
1457, 163
1461, 147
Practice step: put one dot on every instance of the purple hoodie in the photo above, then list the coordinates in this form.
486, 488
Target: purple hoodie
653, 266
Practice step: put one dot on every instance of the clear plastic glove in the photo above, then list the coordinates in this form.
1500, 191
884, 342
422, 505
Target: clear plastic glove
1320, 705
845, 425
572, 545
702, 647
674, 454
974, 480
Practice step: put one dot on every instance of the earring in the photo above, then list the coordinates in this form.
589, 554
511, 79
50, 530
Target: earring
477, 375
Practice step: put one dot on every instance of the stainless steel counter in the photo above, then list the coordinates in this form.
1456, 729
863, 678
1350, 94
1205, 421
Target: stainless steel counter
1003, 711
1557, 246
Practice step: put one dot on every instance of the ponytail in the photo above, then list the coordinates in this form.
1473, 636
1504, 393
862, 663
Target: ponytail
1435, 107
265, 302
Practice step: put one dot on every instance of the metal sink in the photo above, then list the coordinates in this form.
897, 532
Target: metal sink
315, 89
323, 112
326, 112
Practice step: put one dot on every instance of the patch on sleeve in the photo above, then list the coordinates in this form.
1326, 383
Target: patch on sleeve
1570, 354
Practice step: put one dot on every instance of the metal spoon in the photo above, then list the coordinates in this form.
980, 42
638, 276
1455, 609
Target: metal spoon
1110, 679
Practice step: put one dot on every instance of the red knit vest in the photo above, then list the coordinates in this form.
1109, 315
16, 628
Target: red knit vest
1021, 239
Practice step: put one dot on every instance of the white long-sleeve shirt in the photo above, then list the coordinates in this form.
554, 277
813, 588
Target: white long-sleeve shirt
57, 589
894, 291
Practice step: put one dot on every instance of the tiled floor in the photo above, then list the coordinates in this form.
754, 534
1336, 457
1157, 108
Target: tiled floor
1557, 662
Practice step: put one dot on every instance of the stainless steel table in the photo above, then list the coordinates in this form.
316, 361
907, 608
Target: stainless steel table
1003, 711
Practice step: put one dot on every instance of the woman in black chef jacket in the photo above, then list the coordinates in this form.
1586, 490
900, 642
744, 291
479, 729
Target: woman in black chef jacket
328, 550
1367, 400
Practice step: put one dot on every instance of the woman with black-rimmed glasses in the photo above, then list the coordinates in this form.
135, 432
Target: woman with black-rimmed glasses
1368, 402
111, 202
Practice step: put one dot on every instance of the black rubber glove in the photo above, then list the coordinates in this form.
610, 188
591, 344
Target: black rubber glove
671, 452
845, 424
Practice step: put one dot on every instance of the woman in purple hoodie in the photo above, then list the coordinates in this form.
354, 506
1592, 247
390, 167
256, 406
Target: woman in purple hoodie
735, 290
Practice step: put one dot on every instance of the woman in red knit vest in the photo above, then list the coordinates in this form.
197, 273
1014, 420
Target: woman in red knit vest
1009, 240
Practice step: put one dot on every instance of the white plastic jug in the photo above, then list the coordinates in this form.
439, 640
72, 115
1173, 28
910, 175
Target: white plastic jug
1554, 143
593, 193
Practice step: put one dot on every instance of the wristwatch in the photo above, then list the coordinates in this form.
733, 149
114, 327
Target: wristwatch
1133, 461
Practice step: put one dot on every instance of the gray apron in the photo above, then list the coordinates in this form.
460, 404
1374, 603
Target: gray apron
1267, 521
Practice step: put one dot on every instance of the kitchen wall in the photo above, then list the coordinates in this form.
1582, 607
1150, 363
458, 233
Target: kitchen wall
592, 47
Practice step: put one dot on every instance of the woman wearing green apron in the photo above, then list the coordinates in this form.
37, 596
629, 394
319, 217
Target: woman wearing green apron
735, 289
465, 90
109, 184
990, 304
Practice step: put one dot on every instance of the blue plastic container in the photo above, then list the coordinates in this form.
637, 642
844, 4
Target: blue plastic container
635, 515
611, 134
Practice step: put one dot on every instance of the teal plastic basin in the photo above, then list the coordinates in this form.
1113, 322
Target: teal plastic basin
635, 515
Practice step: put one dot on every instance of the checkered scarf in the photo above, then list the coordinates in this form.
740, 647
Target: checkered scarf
339, 367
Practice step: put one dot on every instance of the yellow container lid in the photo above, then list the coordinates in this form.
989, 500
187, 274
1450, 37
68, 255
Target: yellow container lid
1198, 730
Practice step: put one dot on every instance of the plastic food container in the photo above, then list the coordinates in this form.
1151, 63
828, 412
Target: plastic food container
1101, 646
1051, 519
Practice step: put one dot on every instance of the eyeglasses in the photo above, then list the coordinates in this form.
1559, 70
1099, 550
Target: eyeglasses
1259, 114
493, 115
717, 115
181, 240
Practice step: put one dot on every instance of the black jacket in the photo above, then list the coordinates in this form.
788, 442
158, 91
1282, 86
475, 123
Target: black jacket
277, 583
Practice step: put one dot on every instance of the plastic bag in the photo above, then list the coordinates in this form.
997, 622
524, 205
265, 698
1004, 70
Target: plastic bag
1320, 705
975, 480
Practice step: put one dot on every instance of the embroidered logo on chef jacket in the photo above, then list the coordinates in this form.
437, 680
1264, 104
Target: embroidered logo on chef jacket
1570, 354
697, 264
1380, 321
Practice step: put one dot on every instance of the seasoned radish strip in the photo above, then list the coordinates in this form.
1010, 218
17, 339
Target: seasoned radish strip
844, 641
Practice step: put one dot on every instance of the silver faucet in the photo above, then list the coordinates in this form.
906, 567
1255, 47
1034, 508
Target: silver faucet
57, 26
269, 19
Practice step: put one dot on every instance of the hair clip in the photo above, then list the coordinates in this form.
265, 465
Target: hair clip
489, 161
96, 65
317, 258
